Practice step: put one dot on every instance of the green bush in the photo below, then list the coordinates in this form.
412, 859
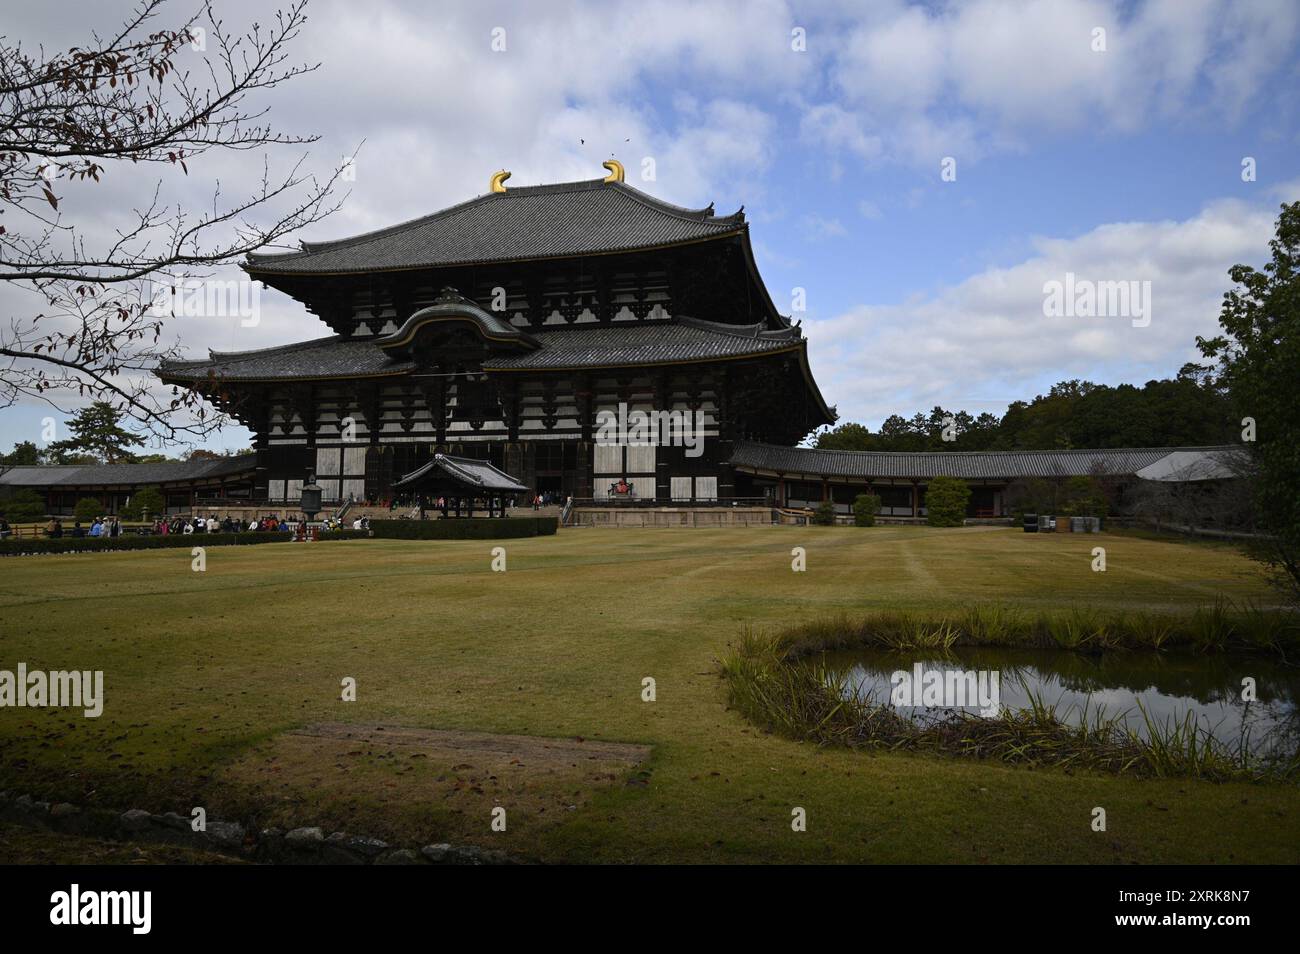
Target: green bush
144, 503
23, 506
865, 508
945, 502
824, 515
466, 528
1084, 498
345, 535
87, 509
165, 541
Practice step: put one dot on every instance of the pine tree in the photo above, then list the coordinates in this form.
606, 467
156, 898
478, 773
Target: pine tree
96, 434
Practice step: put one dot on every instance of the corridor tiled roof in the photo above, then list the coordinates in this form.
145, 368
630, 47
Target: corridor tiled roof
524, 222
125, 475
971, 465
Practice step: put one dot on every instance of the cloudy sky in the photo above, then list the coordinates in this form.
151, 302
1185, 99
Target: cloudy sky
1096, 138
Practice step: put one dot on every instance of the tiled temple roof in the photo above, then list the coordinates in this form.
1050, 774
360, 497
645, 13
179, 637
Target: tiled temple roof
332, 357
685, 340
522, 223
611, 346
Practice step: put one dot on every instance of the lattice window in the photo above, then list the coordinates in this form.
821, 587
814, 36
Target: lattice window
609, 459
681, 488
706, 488
354, 461
328, 461
641, 458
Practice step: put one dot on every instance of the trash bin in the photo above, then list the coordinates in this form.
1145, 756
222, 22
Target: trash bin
1078, 524
1031, 523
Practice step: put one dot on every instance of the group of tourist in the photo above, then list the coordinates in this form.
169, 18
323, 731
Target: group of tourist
334, 523
99, 527
228, 524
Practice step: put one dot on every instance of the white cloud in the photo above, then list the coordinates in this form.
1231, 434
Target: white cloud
970, 78
985, 342
817, 228
839, 128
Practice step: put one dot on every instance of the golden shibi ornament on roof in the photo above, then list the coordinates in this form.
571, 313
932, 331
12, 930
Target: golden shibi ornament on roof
498, 181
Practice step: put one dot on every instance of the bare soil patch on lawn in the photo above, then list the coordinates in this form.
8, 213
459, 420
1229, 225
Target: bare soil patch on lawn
526, 750
395, 781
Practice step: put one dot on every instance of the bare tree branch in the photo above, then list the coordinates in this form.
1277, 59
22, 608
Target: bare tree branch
103, 110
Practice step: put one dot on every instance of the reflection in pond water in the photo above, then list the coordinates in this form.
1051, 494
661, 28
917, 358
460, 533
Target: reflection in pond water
1167, 686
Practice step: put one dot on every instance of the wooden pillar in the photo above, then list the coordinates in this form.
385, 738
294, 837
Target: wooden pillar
916, 499
261, 427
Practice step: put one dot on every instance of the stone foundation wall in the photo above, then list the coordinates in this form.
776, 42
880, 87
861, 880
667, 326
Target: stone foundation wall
672, 517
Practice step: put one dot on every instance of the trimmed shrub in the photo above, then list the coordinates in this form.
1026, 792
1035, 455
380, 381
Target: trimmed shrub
148, 501
161, 541
865, 508
23, 506
465, 528
345, 535
824, 515
945, 502
87, 509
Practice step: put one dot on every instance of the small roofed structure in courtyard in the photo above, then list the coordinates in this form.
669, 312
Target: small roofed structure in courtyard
456, 483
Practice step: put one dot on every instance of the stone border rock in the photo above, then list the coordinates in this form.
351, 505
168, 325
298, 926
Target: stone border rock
299, 846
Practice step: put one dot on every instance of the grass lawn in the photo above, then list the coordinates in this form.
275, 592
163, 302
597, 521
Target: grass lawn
206, 674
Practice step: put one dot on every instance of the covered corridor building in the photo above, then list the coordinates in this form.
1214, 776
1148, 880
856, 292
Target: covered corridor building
804, 477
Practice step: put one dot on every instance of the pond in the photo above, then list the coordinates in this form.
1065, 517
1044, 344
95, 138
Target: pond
1168, 686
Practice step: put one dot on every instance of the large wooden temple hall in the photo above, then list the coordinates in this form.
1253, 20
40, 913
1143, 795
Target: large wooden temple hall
501, 328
